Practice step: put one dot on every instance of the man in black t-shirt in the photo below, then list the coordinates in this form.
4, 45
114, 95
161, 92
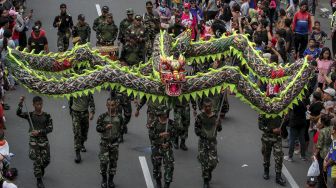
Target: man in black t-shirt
37, 41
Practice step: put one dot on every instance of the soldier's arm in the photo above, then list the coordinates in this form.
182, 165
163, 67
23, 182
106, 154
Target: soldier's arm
70, 22
92, 104
115, 33
142, 103
100, 124
56, 21
173, 130
21, 114
120, 35
95, 24
127, 107
198, 126
49, 126
262, 124
152, 133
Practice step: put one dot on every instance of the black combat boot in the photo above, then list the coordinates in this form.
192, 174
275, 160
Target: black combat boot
279, 180
266, 173
206, 183
158, 183
110, 181
167, 184
78, 158
40, 183
42, 171
183, 145
176, 143
104, 181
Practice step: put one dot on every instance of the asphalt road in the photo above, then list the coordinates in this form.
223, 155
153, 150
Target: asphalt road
238, 144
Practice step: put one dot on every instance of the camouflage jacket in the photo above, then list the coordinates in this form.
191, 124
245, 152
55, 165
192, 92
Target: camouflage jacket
156, 128
151, 24
111, 134
82, 31
135, 36
124, 24
41, 123
107, 32
98, 21
206, 127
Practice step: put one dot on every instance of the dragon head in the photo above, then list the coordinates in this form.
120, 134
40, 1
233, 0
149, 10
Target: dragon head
172, 74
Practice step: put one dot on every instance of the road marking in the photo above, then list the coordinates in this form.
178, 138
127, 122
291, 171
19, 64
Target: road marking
98, 10
145, 171
289, 177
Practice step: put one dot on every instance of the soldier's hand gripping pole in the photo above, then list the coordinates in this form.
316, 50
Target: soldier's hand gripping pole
29, 118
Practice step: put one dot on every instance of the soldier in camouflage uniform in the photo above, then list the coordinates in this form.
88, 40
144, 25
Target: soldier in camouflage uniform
271, 139
82, 31
162, 133
107, 32
80, 121
109, 125
124, 108
206, 126
100, 20
151, 21
40, 125
124, 24
134, 49
64, 24
182, 119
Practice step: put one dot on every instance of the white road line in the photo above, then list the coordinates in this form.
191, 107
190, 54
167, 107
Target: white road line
289, 177
145, 171
98, 10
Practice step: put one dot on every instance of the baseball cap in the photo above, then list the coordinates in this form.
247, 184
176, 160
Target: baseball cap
105, 8
81, 17
330, 92
312, 180
13, 12
186, 5
149, 4
129, 11
36, 28
63, 5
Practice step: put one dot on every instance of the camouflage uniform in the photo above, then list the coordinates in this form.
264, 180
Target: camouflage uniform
206, 130
152, 28
82, 31
162, 147
124, 24
134, 48
63, 31
39, 148
107, 34
125, 108
182, 119
97, 22
109, 145
80, 118
271, 141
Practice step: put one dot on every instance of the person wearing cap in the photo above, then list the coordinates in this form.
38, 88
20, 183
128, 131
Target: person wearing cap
151, 21
189, 20
108, 32
37, 41
162, 133
165, 14
19, 25
206, 127
101, 19
109, 125
302, 26
64, 24
124, 24
135, 38
82, 32
271, 140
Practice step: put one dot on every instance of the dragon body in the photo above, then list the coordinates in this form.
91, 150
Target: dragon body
164, 75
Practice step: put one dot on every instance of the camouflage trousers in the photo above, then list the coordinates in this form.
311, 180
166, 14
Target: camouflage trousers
207, 156
269, 142
39, 153
182, 118
63, 41
80, 127
163, 155
108, 157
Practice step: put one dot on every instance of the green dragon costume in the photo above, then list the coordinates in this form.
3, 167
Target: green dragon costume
164, 75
